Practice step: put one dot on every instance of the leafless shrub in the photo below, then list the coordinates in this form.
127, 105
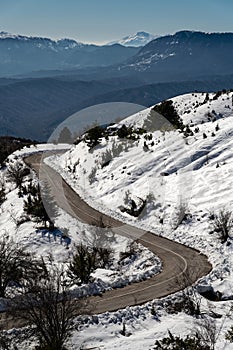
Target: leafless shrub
102, 240
222, 223
48, 308
229, 335
188, 300
106, 158
17, 267
207, 331
130, 251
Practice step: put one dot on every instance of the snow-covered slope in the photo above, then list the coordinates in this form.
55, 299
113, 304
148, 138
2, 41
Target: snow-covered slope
187, 174
137, 39
166, 169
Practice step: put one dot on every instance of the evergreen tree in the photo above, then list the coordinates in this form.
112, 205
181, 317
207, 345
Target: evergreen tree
168, 111
217, 128
93, 135
123, 132
16, 173
83, 264
176, 343
34, 206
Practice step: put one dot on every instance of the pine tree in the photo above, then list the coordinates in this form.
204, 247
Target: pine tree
168, 111
217, 128
123, 132
93, 135
83, 264
176, 343
34, 206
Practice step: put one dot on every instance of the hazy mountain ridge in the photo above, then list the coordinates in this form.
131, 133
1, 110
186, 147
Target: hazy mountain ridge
188, 53
182, 56
42, 41
21, 54
32, 108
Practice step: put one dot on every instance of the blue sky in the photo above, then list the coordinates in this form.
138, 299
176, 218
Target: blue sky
101, 21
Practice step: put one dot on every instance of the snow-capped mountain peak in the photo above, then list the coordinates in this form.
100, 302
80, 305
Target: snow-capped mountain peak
69, 43
6, 35
137, 39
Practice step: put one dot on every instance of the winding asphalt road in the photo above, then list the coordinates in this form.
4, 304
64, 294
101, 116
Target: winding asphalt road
182, 265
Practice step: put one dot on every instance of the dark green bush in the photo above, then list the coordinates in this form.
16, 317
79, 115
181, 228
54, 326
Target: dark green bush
177, 343
168, 111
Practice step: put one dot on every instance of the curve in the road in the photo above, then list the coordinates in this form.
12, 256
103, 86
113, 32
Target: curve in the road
181, 265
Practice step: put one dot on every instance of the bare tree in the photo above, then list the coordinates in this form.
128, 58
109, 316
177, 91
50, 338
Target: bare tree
188, 300
207, 331
16, 265
48, 308
222, 223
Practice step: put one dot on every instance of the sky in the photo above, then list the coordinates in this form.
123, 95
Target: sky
101, 21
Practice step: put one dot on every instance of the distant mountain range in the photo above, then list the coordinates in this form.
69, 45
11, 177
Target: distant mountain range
21, 54
185, 55
136, 40
68, 76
